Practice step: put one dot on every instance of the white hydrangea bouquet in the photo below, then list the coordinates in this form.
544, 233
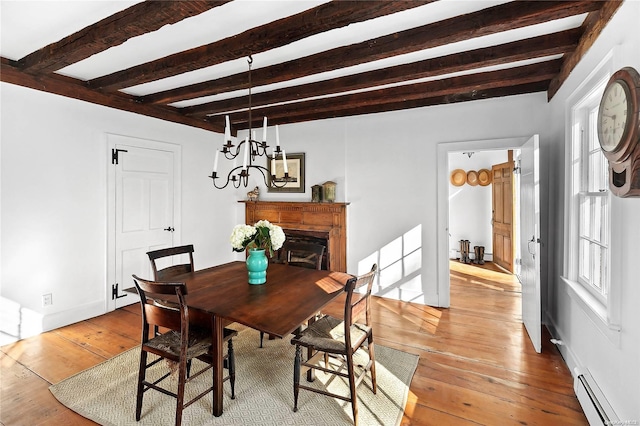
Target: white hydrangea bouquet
262, 235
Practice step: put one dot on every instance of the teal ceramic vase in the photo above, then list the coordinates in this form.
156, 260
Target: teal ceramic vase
257, 264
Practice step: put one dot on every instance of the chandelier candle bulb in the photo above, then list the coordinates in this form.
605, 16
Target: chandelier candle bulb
246, 153
215, 162
277, 138
284, 162
273, 164
227, 129
264, 129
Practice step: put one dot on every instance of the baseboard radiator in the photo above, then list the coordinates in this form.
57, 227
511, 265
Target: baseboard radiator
594, 404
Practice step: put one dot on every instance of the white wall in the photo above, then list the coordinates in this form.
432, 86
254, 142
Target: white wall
470, 207
54, 223
612, 358
392, 184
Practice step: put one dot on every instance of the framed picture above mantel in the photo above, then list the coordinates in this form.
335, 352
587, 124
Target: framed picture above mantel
295, 168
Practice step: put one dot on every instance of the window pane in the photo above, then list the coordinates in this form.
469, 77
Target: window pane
604, 271
583, 267
585, 216
597, 172
597, 280
594, 145
600, 220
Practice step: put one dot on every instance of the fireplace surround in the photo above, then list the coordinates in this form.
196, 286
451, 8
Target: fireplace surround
317, 222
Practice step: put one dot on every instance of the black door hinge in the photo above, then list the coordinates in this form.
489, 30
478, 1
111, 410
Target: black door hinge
114, 155
114, 292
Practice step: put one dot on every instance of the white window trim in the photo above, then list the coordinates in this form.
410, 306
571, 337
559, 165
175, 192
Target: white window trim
604, 314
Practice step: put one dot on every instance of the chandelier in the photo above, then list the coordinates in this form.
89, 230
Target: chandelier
250, 149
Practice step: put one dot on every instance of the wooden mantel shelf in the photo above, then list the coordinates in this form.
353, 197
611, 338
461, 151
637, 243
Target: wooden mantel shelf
324, 220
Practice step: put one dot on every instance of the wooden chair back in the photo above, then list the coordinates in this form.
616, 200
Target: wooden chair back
169, 272
358, 304
307, 255
157, 312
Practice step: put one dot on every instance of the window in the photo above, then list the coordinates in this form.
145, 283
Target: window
590, 199
591, 213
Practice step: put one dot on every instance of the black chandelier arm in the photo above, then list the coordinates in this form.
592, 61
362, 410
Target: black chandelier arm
242, 178
228, 153
257, 149
236, 179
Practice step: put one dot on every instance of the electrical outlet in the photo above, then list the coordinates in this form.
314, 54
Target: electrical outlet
47, 299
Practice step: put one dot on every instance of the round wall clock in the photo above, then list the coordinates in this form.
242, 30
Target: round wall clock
618, 115
618, 124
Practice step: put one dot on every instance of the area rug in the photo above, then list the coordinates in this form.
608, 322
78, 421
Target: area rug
264, 391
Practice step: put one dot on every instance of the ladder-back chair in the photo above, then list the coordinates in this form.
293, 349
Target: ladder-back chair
329, 336
180, 345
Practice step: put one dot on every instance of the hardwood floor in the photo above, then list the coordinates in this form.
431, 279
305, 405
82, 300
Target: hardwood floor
476, 366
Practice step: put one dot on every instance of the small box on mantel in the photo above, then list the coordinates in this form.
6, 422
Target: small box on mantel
329, 191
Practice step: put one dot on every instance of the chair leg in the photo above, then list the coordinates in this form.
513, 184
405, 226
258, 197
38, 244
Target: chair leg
231, 359
182, 375
296, 377
372, 357
261, 337
352, 388
141, 377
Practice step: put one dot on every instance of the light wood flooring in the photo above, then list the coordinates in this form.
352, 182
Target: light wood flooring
477, 365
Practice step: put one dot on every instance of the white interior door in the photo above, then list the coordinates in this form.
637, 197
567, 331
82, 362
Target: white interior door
145, 210
530, 240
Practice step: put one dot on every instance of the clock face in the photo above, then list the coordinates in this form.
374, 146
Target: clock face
612, 116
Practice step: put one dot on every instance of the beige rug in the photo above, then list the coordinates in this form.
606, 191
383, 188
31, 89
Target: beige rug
264, 391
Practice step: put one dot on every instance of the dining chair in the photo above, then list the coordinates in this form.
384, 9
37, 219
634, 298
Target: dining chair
303, 254
169, 272
180, 345
330, 337
173, 270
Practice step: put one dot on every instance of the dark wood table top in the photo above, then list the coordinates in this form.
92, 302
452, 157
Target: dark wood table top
289, 297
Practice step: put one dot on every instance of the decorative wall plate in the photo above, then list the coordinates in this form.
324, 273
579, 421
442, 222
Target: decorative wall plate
484, 177
472, 177
458, 177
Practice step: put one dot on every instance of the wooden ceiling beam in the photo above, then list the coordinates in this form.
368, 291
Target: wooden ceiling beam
592, 27
536, 47
481, 23
112, 31
450, 87
284, 31
473, 95
76, 89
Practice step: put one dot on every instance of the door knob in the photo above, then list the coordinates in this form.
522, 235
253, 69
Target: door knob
169, 228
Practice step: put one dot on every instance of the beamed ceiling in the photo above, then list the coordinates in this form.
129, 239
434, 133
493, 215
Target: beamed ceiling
187, 61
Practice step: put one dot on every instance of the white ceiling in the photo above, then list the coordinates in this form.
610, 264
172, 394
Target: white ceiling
27, 26
186, 61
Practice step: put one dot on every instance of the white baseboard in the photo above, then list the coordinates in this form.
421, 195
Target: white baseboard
71, 316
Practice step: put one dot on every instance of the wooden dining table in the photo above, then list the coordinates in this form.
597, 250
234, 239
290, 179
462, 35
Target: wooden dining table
221, 295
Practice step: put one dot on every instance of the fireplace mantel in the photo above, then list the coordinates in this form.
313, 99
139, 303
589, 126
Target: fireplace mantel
322, 220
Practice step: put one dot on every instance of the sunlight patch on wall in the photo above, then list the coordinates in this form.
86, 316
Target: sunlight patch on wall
17, 322
399, 265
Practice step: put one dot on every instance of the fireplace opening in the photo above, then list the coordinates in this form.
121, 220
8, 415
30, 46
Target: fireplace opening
304, 236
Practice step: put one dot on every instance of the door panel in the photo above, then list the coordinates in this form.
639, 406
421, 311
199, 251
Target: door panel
502, 222
144, 203
530, 240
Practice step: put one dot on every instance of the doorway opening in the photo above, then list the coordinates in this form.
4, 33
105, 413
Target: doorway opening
483, 208
528, 222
